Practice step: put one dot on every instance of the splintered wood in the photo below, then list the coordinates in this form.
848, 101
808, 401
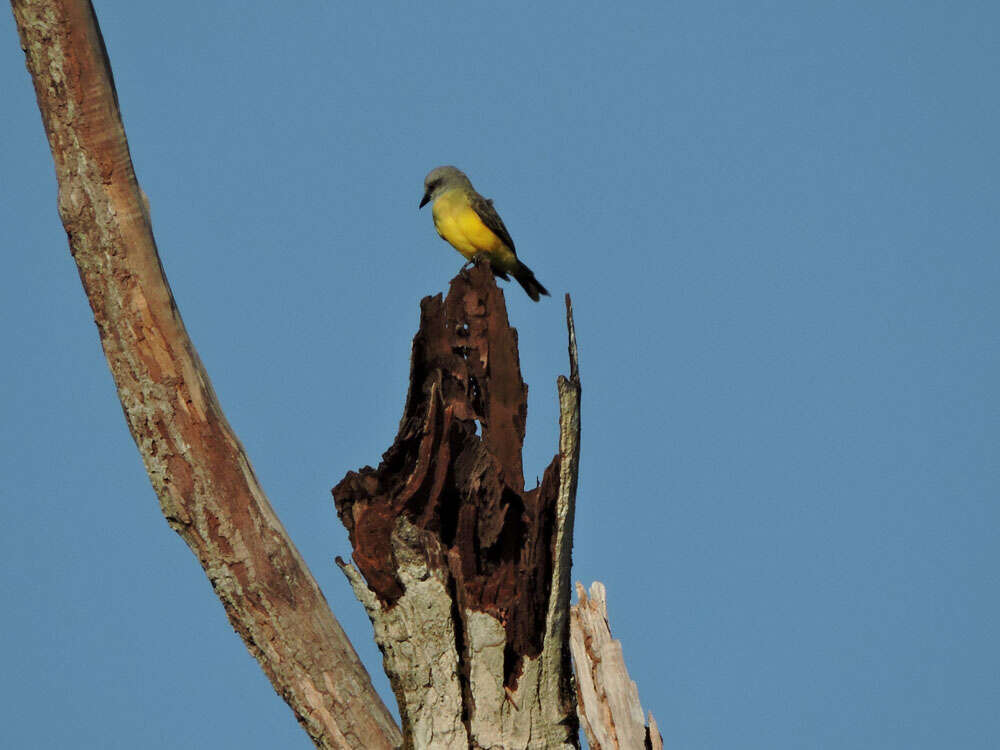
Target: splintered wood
463, 571
611, 714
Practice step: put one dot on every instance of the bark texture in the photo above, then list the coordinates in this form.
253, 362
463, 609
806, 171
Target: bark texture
610, 711
202, 476
463, 572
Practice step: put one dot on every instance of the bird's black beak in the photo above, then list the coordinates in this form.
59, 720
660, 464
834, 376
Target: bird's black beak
423, 201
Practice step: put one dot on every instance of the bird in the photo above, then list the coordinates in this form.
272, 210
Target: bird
470, 224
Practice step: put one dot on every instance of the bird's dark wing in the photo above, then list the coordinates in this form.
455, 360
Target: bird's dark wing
489, 216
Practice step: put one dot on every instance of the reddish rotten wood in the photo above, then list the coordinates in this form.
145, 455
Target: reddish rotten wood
450, 493
467, 490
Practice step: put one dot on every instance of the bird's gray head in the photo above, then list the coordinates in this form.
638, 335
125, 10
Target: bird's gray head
440, 179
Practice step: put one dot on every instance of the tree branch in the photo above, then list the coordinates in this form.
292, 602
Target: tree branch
203, 478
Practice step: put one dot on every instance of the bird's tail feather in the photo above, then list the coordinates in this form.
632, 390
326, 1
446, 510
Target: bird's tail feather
527, 280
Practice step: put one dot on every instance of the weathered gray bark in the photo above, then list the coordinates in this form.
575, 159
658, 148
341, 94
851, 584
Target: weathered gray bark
610, 712
202, 476
463, 572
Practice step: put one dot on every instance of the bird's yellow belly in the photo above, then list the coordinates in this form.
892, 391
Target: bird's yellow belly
462, 228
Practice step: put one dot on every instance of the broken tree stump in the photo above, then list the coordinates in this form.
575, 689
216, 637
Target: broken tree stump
608, 698
463, 572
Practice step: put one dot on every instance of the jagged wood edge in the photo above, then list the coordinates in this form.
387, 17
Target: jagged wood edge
435, 704
608, 699
555, 654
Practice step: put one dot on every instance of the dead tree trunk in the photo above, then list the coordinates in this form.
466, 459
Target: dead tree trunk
464, 572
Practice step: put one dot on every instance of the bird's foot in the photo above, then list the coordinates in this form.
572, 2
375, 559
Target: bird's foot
475, 260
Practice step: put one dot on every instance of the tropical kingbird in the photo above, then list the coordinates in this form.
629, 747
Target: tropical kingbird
472, 226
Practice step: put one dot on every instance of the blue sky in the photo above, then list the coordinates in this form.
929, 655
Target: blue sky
779, 223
